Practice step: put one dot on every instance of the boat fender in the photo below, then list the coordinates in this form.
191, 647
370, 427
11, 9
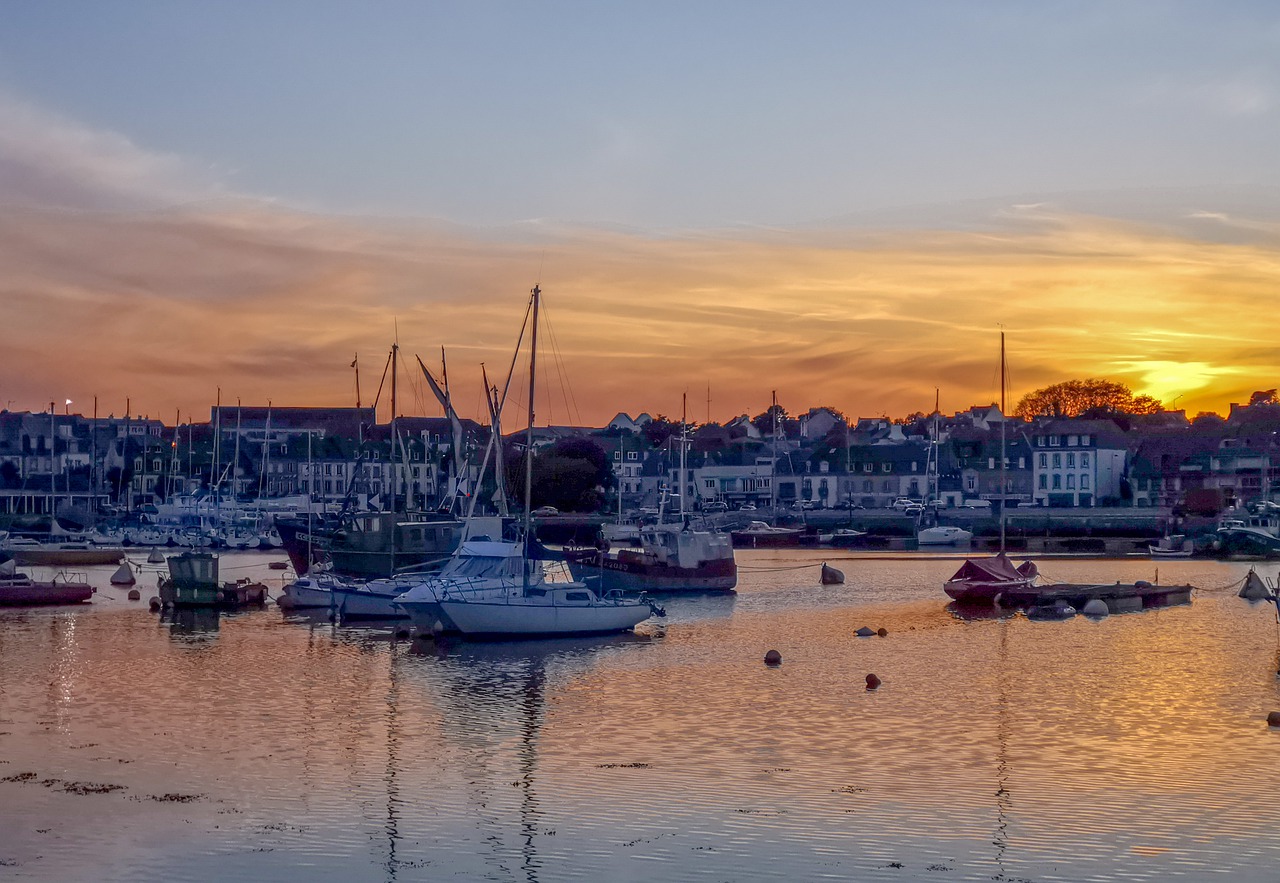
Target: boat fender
773, 657
873, 682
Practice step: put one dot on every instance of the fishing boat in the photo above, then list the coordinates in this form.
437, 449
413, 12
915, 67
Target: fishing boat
503, 589
193, 582
369, 545
668, 556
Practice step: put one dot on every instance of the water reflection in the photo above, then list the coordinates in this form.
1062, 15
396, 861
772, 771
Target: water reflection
185, 622
493, 697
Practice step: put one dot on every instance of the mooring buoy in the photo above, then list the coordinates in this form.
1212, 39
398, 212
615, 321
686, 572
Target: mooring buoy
831, 576
873, 682
865, 632
135, 595
154, 604
1096, 608
773, 657
1273, 719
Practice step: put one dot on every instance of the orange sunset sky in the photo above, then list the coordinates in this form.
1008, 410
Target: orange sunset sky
828, 219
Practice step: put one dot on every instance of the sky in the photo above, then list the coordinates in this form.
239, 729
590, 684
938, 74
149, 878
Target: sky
845, 203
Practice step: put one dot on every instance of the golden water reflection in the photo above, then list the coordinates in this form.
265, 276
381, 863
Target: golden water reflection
1131, 747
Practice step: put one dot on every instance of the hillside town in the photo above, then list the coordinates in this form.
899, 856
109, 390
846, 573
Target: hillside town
69, 463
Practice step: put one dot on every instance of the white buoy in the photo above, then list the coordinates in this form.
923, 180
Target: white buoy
1096, 607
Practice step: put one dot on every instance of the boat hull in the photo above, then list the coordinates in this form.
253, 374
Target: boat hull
752, 540
362, 603
34, 593
54, 556
628, 571
499, 619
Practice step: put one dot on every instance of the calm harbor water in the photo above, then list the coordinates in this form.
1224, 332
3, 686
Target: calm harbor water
266, 746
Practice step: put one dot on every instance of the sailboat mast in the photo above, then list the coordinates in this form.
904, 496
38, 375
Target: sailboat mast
684, 444
773, 479
1003, 486
528, 453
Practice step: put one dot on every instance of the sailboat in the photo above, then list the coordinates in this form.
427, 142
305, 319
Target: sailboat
938, 534
768, 533
984, 580
517, 589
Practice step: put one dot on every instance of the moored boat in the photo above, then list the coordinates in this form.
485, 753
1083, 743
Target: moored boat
17, 589
670, 558
983, 580
503, 589
70, 553
760, 534
943, 535
193, 582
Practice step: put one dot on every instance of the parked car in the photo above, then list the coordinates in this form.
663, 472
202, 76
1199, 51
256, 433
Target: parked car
849, 504
905, 502
913, 509
747, 507
545, 511
715, 506
976, 504
799, 505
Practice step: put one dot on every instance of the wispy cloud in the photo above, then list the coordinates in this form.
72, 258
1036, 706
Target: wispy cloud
172, 294
49, 160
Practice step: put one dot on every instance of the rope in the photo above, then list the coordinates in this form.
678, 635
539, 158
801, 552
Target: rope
778, 569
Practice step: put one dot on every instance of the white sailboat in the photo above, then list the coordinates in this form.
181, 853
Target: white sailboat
495, 588
938, 534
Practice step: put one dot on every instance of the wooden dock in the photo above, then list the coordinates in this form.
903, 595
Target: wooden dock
1119, 597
